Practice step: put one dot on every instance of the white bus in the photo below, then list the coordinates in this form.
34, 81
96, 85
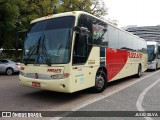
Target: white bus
153, 50
72, 51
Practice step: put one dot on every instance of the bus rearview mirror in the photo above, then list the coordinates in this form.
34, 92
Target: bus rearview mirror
77, 29
82, 30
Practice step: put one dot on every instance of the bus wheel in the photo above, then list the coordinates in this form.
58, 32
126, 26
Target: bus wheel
138, 75
100, 82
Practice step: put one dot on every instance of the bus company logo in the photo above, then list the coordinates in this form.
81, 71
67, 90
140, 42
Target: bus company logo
55, 70
134, 55
97, 27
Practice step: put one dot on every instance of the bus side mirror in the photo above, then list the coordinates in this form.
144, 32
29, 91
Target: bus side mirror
81, 30
84, 30
83, 33
77, 29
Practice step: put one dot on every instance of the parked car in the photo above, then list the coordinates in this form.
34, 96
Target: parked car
9, 67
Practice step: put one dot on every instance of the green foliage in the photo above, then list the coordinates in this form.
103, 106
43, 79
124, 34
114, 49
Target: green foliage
75, 5
8, 14
16, 15
95, 7
98, 8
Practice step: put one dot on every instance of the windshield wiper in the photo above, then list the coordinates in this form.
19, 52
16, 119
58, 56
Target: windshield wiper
48, 61
60, 46
36, 46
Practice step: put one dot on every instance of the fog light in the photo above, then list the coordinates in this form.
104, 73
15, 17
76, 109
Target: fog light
62, 86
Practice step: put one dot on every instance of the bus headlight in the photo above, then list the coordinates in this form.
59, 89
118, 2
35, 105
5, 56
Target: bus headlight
60, 76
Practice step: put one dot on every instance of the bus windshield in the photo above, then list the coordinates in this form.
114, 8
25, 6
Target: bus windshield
49, 40
150, 51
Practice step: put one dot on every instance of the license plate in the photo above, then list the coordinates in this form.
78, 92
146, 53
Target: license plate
36, 84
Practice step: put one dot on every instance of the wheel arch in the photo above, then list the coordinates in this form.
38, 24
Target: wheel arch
8, 68
104, 69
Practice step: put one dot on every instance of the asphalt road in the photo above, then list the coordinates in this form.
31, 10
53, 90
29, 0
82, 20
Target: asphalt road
142, 96
129, 94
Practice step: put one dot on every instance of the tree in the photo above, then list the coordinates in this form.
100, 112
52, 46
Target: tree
98, 8
16, 15
114, 22
8, 14
34, 9
95, 7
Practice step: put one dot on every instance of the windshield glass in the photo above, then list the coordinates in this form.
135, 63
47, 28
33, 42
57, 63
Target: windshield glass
150, 51
49, 40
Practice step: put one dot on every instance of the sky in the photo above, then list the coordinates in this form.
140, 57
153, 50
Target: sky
134, 12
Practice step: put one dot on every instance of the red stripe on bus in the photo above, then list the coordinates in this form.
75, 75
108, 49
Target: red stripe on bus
115, 61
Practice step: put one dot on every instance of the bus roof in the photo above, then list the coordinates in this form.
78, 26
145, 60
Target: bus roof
77, 13
153, 43
50, 16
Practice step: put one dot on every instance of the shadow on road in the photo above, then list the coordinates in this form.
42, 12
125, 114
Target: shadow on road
52, 97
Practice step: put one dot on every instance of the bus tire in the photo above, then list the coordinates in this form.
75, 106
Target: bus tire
100, 82
139, 71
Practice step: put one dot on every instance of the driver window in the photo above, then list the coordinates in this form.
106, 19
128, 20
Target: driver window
80, 46
80, 49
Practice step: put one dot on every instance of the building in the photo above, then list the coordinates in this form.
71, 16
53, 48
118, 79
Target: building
149, 33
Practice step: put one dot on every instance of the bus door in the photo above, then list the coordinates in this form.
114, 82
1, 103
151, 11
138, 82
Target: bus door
81, 68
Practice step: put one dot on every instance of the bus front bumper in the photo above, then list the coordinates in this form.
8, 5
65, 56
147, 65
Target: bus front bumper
60, 85
151, 65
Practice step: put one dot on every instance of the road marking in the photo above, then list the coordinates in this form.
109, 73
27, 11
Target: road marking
102, 97
141, 97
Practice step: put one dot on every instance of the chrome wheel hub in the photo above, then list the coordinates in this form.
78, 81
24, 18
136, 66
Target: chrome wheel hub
99, 82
